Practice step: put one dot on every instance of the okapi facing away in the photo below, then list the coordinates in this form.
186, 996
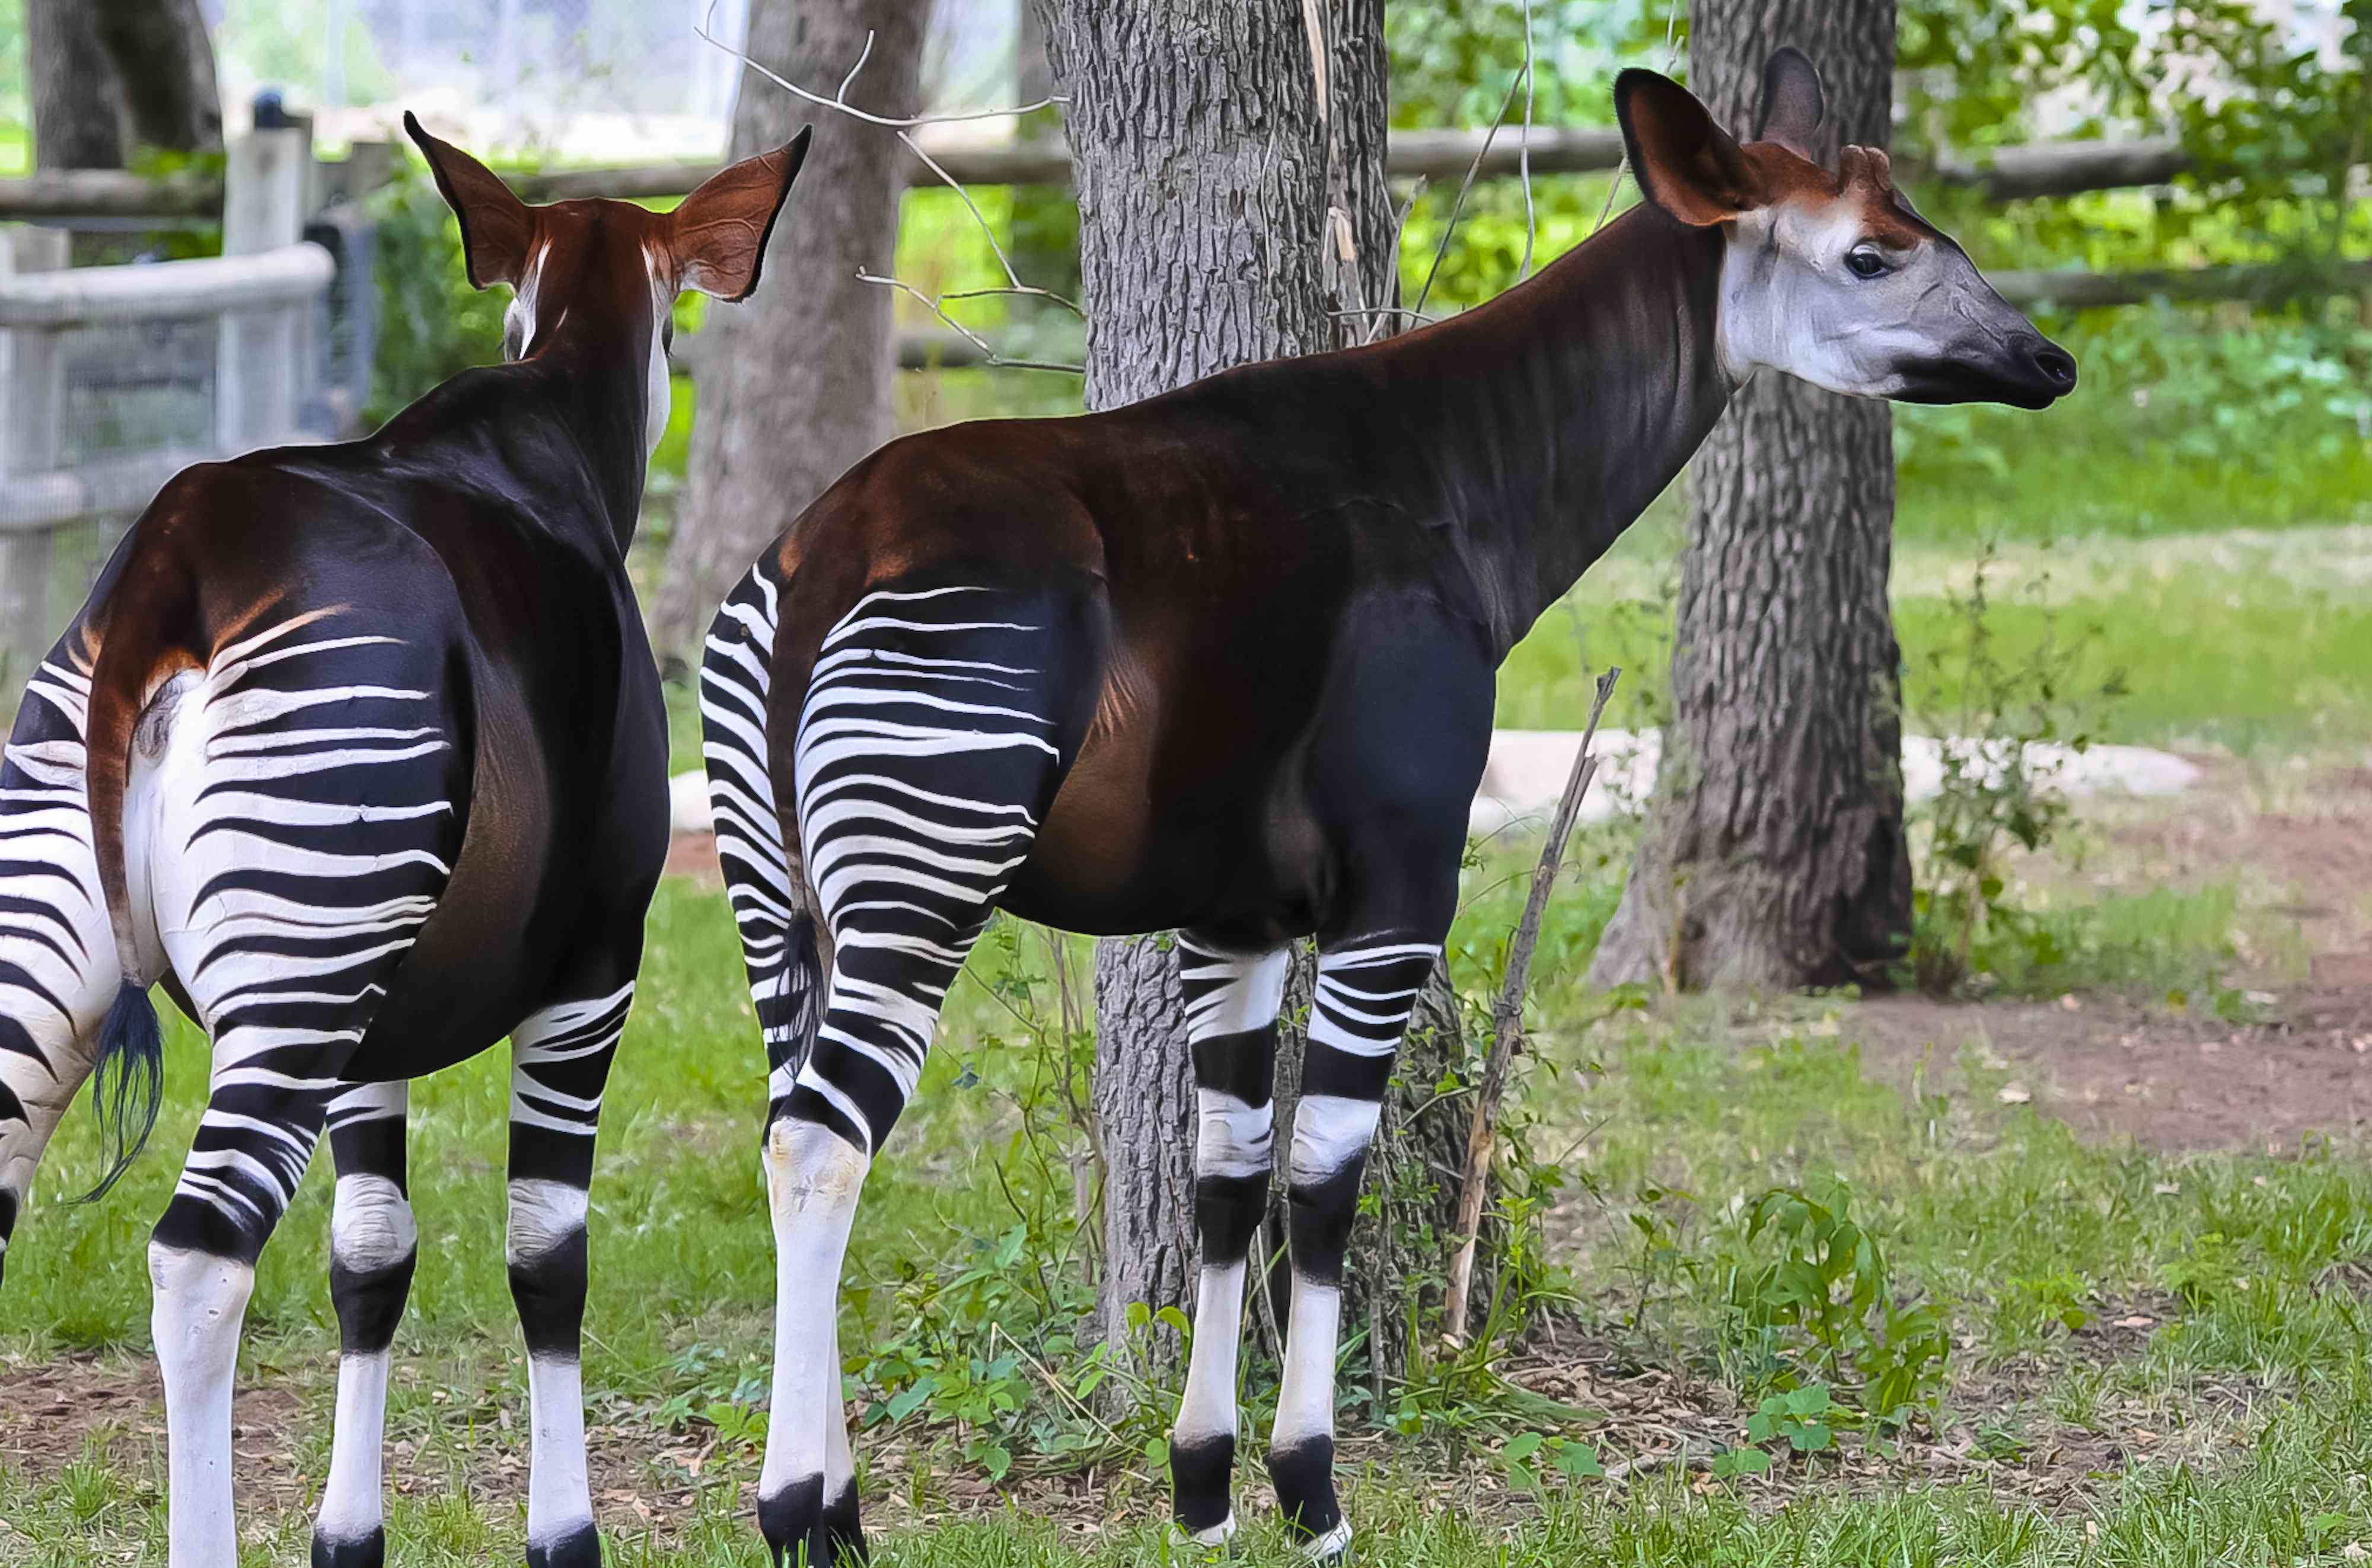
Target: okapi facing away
360, 750
1223, 661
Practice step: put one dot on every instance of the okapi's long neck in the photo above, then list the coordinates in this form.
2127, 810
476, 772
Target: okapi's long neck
596, 375
1567, 404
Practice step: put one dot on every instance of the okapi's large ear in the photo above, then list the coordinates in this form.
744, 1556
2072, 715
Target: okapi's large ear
497, 228
1686, 164
721, 230
1794, 103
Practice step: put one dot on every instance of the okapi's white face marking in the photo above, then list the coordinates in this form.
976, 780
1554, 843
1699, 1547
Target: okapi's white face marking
659, 390
1851, 291
1828, 274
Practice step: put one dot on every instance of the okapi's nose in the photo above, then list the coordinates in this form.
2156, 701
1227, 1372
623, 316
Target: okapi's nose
2054, 365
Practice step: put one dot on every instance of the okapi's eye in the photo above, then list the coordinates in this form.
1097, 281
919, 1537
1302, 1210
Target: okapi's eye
1868, 261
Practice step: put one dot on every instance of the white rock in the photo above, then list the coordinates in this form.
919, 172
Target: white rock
688, 803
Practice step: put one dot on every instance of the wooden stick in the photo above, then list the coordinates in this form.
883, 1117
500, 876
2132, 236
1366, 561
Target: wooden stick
1508, 1019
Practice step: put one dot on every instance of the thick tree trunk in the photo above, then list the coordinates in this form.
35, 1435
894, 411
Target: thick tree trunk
795, 382
77, 123
1775, 854
1223, 219
165, 66
110, 75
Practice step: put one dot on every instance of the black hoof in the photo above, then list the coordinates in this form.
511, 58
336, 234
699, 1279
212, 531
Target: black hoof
353, 1552
1304, 1476
803, 1531
578, 1548
1200, 1471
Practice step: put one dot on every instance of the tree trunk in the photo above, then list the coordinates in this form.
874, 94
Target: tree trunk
1775, 854
77, 121
165, 66
1222, 217
795, 382
110, 75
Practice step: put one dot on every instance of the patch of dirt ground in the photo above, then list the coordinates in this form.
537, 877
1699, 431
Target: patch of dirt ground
2301, 1066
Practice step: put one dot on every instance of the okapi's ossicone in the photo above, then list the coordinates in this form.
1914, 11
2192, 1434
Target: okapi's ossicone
1223, 662
360, 751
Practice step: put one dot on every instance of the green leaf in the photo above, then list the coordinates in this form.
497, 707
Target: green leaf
1578, 1460
1138, 1314
1157, 1453
1174, 1319
1521, 1447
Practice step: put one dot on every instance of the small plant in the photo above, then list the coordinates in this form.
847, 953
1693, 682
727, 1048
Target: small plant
1831, 1283
2005, 726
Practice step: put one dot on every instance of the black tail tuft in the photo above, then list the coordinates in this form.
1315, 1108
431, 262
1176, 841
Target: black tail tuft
128, 1086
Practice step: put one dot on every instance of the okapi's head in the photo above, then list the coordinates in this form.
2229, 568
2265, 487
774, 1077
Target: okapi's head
613, 263
1830, 274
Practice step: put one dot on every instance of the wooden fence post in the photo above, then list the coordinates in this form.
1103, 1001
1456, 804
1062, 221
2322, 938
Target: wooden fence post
31, 390
266, 182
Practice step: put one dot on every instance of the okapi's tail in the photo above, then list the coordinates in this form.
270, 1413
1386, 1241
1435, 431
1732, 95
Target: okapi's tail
152, 606
784, 942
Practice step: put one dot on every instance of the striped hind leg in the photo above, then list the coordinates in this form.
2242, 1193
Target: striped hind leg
373, 1246
58, 969
932, 736
559, 1065
304, 826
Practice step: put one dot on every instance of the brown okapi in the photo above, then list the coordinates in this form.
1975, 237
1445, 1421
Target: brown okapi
1223, 662
361, 751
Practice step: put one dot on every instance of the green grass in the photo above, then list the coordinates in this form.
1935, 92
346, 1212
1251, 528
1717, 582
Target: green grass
2247, 639
2002, 1218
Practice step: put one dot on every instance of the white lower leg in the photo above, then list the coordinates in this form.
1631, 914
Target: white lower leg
546, 1265
1202, 1445
351, 1507
559, 1500
372, 1235
813, 1177
199, 1304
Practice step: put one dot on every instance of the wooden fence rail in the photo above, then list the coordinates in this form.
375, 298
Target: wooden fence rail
2040, 169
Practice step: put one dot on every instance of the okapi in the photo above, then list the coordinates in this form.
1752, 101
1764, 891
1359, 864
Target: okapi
1223, 662
360, 750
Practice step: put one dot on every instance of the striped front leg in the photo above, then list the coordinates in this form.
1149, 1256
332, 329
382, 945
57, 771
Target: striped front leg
1232, 1001
1366, 989
560, 1064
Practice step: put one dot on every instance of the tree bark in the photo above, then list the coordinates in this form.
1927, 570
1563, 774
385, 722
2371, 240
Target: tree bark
1224, 219
795, 382
77, 120
1774, 855
111, 75
165, 66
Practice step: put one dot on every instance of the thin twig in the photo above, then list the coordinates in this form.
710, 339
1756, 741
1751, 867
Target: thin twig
844, 106
1508, 1019
1672, 56
1458, 206
988, 354
934, 305
1399, 227
1524, 151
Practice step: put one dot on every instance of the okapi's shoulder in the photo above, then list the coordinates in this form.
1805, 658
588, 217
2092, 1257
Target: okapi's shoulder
1001, 493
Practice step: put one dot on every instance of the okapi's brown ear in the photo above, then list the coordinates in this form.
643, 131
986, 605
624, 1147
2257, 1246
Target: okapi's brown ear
1794, 103
720, 231
1685, 164
497, 228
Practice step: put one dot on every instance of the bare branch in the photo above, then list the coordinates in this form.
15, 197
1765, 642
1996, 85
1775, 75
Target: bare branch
989, 356
1458, 206
1508, 1019
1524, 153
841, 103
